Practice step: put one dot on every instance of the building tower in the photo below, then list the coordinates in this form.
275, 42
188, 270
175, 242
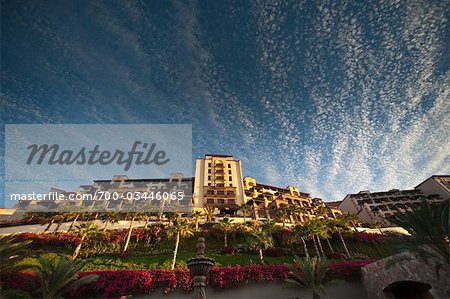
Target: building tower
218, 184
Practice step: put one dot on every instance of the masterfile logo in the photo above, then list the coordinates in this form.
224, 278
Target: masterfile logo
39, 158
52, 155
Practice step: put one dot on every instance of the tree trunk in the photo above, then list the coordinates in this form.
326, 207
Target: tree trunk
77, 250
315, 247
354, 226
225, 239
129, 234
73, 223
344, 245
243, 214
106, 225
175, 251
58, 226
49, 225
261, 257
305, 248
329, 245
320, 245
196, 224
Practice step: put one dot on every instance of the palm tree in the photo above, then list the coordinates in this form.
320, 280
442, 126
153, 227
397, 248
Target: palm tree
171, 216
57, 276
310, 274
246, 210
340, 225
74, 217
147, 218
310, 229
377, 224
85, 230
11, 251
429, 227
282, 213
262, 239
49, 219
196, 216
180, 228
328, 225
210, 213
301, 233
269, 226
226, 225
323, 232
110, 218
60, 219
352, 219
318, 231
323, 211
133, 216
31, 215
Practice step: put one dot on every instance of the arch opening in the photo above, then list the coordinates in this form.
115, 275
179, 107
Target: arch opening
408, 289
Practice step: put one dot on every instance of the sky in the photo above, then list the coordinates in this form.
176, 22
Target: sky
331, 96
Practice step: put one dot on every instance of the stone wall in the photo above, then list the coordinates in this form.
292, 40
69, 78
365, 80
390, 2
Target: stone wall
378, 277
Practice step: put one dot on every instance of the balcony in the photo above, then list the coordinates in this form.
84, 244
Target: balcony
221, 202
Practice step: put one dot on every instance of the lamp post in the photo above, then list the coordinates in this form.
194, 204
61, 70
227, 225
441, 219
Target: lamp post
199, 267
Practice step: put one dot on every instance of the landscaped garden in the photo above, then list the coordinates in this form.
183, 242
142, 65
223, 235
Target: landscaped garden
92, 261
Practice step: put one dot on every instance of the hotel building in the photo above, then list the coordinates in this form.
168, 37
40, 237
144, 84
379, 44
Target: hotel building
266, 200
379, 206
218, 184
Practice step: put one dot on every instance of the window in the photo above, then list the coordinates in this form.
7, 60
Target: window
209, 177
210, 192
209, 170
221, 201
229, 165
220, 185
209, 164
210, 200
231, 185
220, 192
230, 192
229, 171
231, 201
230, 178
209, 184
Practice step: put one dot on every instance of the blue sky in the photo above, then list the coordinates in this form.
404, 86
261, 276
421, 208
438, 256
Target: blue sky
332, 96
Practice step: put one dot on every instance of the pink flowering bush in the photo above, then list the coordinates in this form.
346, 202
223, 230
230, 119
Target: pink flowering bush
347, 270
61, 239
23, 221
103, 240
115, 283
367, 237
226, 277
